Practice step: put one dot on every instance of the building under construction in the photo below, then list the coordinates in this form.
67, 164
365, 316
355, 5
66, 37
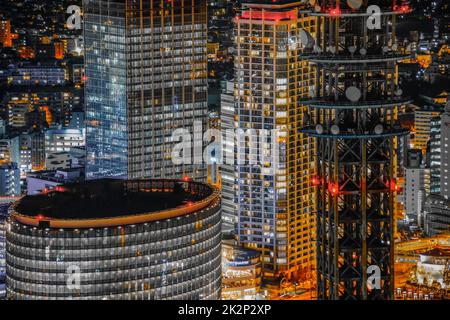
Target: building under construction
352, 114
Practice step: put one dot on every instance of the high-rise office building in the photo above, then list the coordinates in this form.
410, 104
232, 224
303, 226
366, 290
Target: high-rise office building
273, 195
422, 121
146, 73
5, 203
417, 178
445, 153
435, 155
353, 113
58, 140
228, 170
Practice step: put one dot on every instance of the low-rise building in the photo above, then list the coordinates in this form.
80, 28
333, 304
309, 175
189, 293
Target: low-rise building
433, 267
45, 181
42, 75
241, 273
58, 140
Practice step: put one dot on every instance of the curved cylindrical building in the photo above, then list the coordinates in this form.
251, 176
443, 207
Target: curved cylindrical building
110, 239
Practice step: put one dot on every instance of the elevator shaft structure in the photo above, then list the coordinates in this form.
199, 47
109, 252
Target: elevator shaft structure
353, 116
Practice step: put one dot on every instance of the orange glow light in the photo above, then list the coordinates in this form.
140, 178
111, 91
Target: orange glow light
394, 187
315, 181
333, 188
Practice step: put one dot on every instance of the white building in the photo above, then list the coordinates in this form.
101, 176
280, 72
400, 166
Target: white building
415, 192
417, 185
432, 267
58, 140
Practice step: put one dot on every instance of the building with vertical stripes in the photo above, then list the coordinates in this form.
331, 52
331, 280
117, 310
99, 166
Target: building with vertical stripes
146, 76
274, 196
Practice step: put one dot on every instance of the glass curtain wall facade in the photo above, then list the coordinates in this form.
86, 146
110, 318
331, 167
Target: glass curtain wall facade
105, 90
274, 200
146, 68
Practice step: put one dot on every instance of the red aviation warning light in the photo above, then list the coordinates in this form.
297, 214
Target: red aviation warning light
402, 9
334, 12
394, 187
60, 189
333, 188
405, 8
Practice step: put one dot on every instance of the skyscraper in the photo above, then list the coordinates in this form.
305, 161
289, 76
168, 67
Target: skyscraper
353, 114
9, 179
445, 153
273, 196
228, 170
435, 155
417, 178
423, 117
146, 72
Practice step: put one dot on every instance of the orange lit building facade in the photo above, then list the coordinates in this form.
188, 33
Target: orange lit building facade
274, 207
5, 34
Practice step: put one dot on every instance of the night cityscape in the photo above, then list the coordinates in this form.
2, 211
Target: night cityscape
248, 150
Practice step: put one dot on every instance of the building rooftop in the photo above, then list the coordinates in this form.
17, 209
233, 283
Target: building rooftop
58, 176
113, 202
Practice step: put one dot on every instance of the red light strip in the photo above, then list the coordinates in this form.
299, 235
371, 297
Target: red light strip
269, 15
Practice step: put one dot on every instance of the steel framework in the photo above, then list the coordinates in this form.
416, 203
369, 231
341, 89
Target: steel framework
353, 116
